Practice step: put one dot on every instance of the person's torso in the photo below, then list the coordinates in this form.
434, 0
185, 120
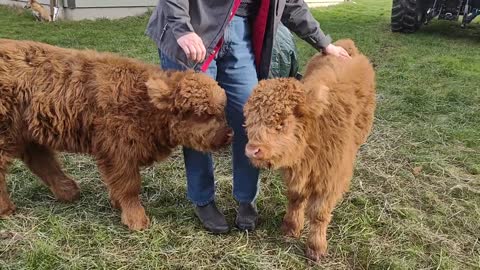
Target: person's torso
209, 20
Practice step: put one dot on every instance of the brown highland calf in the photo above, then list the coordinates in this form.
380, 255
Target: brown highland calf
124, 113
312, 130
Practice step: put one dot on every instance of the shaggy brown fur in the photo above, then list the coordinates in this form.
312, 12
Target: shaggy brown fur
124, 113
312, 131
38, 11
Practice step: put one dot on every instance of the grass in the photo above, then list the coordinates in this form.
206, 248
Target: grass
414, 201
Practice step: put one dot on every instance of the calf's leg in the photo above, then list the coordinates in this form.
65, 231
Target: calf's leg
321, 203
123, 182
297, 195
42, 162
6, 206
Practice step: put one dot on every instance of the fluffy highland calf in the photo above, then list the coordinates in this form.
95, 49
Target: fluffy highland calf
124, 113
312, 130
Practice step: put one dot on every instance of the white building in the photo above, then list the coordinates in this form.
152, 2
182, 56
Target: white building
92, 9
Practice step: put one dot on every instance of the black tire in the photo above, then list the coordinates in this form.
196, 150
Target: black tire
406, 17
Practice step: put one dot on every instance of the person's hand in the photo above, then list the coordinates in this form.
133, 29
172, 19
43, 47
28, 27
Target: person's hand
337, 51
193, 46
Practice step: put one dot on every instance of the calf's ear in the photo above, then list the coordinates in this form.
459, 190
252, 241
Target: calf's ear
159, 92
316, 101
348, 45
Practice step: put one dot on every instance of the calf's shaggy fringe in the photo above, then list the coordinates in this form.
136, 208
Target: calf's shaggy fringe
312, 130
124, 113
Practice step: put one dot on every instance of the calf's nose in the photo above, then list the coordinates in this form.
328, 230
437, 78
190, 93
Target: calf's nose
253, 151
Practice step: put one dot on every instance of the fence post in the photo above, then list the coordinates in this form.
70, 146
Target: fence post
53, 4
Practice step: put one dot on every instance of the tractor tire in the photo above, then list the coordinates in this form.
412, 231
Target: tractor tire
406, 17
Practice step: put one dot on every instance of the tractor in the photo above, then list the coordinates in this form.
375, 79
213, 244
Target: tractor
409, 15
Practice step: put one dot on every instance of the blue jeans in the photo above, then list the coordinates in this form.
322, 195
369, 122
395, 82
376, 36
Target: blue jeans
234, 69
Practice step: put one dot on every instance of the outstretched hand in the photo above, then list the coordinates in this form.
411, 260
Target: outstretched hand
337, 51
193, 46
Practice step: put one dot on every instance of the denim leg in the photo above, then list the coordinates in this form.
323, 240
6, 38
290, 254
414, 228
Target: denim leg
237, 75
198, 165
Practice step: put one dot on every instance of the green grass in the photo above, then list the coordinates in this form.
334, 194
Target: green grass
428, 117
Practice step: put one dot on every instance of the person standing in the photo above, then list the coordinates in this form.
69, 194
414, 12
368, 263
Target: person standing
231, 41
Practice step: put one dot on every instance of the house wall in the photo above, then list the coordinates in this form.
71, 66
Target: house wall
114, 9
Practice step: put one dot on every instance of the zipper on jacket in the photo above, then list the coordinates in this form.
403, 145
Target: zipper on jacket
163, 31
217, 46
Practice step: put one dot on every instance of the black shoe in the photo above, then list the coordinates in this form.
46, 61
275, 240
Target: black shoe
212, 219
247, 217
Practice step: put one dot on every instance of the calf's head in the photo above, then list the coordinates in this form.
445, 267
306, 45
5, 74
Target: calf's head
277, 118
195, 107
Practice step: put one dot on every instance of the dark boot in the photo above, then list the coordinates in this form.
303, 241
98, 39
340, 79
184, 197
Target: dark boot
212, 219
247, 217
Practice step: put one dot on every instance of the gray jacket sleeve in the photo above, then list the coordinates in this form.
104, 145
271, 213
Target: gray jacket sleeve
298, 18
178, 18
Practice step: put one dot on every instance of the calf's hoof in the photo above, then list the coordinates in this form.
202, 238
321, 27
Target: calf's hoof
315, 255
290, 229
6, 210
66, 191
136, 220
115, 204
